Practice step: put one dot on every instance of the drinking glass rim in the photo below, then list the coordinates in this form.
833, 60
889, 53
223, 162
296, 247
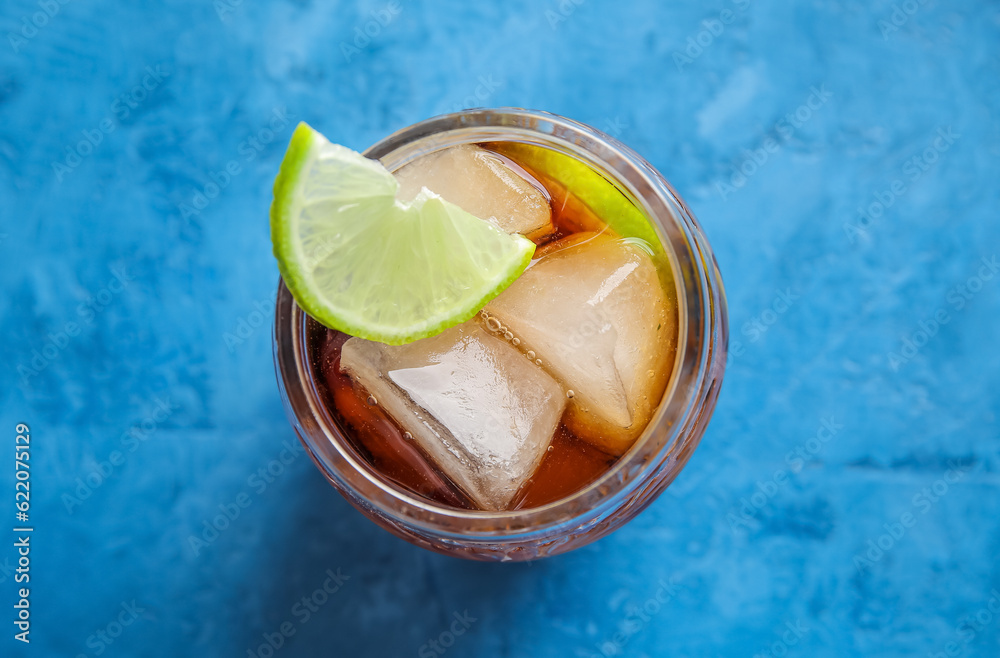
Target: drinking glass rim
682, 240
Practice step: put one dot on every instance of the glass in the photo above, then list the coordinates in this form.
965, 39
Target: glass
656, 457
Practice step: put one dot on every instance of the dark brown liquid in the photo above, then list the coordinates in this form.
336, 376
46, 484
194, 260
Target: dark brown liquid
375, 435
569, 465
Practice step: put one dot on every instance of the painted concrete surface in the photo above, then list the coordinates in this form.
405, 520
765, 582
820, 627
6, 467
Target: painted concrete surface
843, 158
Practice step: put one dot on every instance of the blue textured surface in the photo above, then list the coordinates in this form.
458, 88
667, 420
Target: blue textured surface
755, 539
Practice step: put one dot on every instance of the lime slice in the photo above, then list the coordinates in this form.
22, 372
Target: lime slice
358, 260
602, 197
597, 192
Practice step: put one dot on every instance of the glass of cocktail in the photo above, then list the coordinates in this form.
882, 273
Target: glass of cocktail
547, 412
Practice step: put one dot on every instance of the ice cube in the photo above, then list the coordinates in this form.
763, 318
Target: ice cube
481, 183
596, 315
481, 411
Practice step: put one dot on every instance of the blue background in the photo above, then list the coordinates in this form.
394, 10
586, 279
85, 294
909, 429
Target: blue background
153, 348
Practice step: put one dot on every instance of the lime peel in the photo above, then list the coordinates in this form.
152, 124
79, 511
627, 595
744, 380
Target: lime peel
358, 260
603, 198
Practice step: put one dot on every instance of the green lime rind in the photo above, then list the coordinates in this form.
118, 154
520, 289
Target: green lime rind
358, 261
600, 195
281, 207
603, 198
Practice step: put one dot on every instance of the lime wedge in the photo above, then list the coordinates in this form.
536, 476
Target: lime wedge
602, 197
597, 192
358, 260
